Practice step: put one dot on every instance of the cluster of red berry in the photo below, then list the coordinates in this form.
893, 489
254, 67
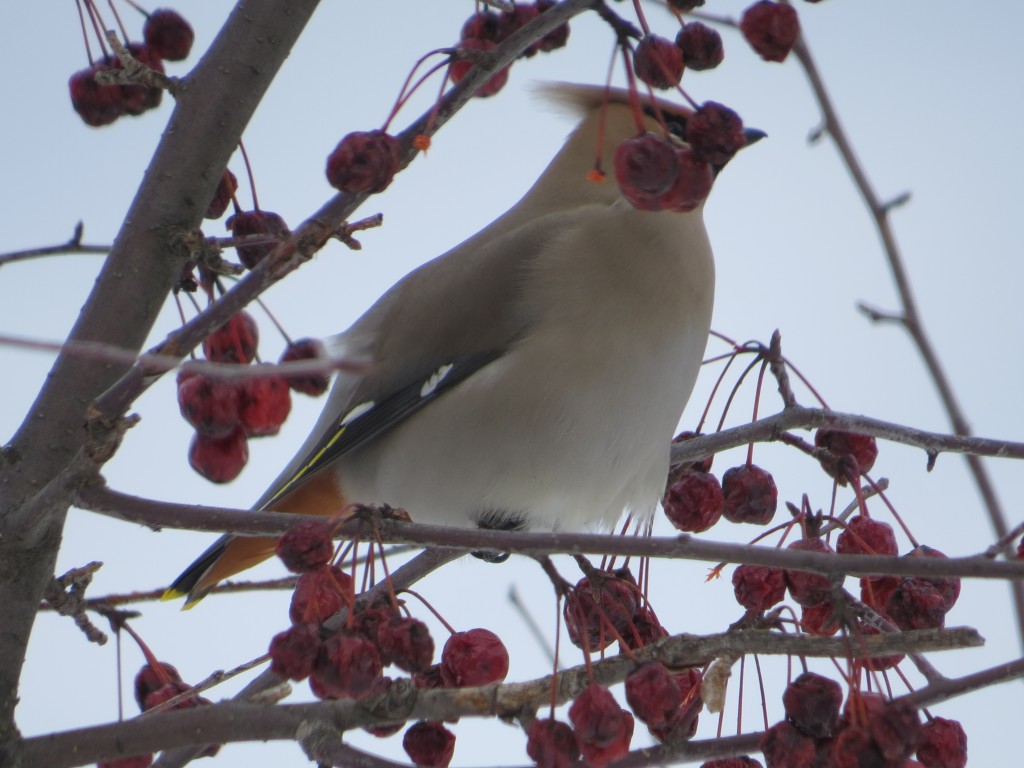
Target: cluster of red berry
167, 36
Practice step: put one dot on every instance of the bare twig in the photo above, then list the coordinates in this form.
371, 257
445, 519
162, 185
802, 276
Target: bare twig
74, 245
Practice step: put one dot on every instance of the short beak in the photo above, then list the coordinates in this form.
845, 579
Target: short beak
753, 135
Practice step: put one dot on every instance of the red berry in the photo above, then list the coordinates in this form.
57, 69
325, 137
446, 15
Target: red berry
866, 536
219, 459
819, 619
694, 502
313, 384
556, 38
306, 546
96, 104
703, 465
875, 590
265, 403
853, 747
593, 610
167, 33
474, 657
949, 586
267, 223
771, 29
645, 628
878, 663
294, 652
916, 604
682, 725
692, 185
809, 589
226, 188
701, 46
518, 16
348, 666
757, 587
652, 693
895, 729
364, 161
430, 744
209, 405
685, 5
750, 495
150, 679
460, 67
732, 762
551, 744
136, 99
786, 747
136, 761
812, 704
319, 594
483, 25
855, 454
406, 643
368, 621
429, 680
715, 133
233, 342
658, 62
942, 744
646, 166
603, 729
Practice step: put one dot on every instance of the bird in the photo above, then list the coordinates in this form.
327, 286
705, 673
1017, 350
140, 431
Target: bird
532, 377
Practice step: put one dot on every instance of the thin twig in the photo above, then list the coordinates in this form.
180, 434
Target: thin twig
74, 245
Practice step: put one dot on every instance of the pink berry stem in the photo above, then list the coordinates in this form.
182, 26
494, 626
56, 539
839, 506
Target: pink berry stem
405, 92
881, 493
430, 608
248, 171
117, 18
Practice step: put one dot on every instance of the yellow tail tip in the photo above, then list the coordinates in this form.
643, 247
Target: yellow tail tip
171, 594
174, 594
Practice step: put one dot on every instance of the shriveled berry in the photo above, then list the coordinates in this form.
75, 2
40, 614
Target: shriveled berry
96, 104
878, 663
645, 628
519, 15
916, 604
429, 743
812, 704
556, 38
652, 693
750, 495
786, 747
294, 652
407, 643
702, 465
692, 185
646, 166
853, 747
895, 729
758, 587
135, 761
875, 590
592, 610
429, 680
866, 536
819, 619
222, 196
854, 454
167, 33
809, 589
474, 657
715, 133
658, 62
312, 384
682, 724
233, 342
306, 546
385, 730
364, 161
347, 667
948, 586
136, 99
694, 502
483, 25
771, 29
319, 594
460, 67
219, 459
942, 744
551, 743
741, 761
701, 46
210, 405
267, 223
603, 729
151, 678
264, 405
368, 621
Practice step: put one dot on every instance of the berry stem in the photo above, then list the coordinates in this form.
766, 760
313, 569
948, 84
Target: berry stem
85, 32
881, 493
117, 18
248, 171
430, 608
757, 403
641, 17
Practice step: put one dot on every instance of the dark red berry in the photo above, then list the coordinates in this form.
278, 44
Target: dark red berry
645, 628
265, 403
875, 590
702, 465
219, 459
646, 166
551, 744
948, 586
786, 747
306, 546
430, 744
385, 730
151, 678
694, 502
658, 62
96, 104
653, 693
266, 223
429, 680
853, 454
853, 747
319, 594
368, 621
692, 185
603, 729
757, 587
771, 29
866, 536
519, 16
812, 704
750, 495
682, 725
809, 589
878, 663
556, 38
474, 657
916, 604
294, 652
406, 643
895, 729
364, 161
222, 196
685, 5
483, 25
732, 762
715, 133
460, 67
701, 46
135, 761
233, 342
312, 384
136, 99
942, 743
595, 611
347, 667
819, 619
209, 405
167, 33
